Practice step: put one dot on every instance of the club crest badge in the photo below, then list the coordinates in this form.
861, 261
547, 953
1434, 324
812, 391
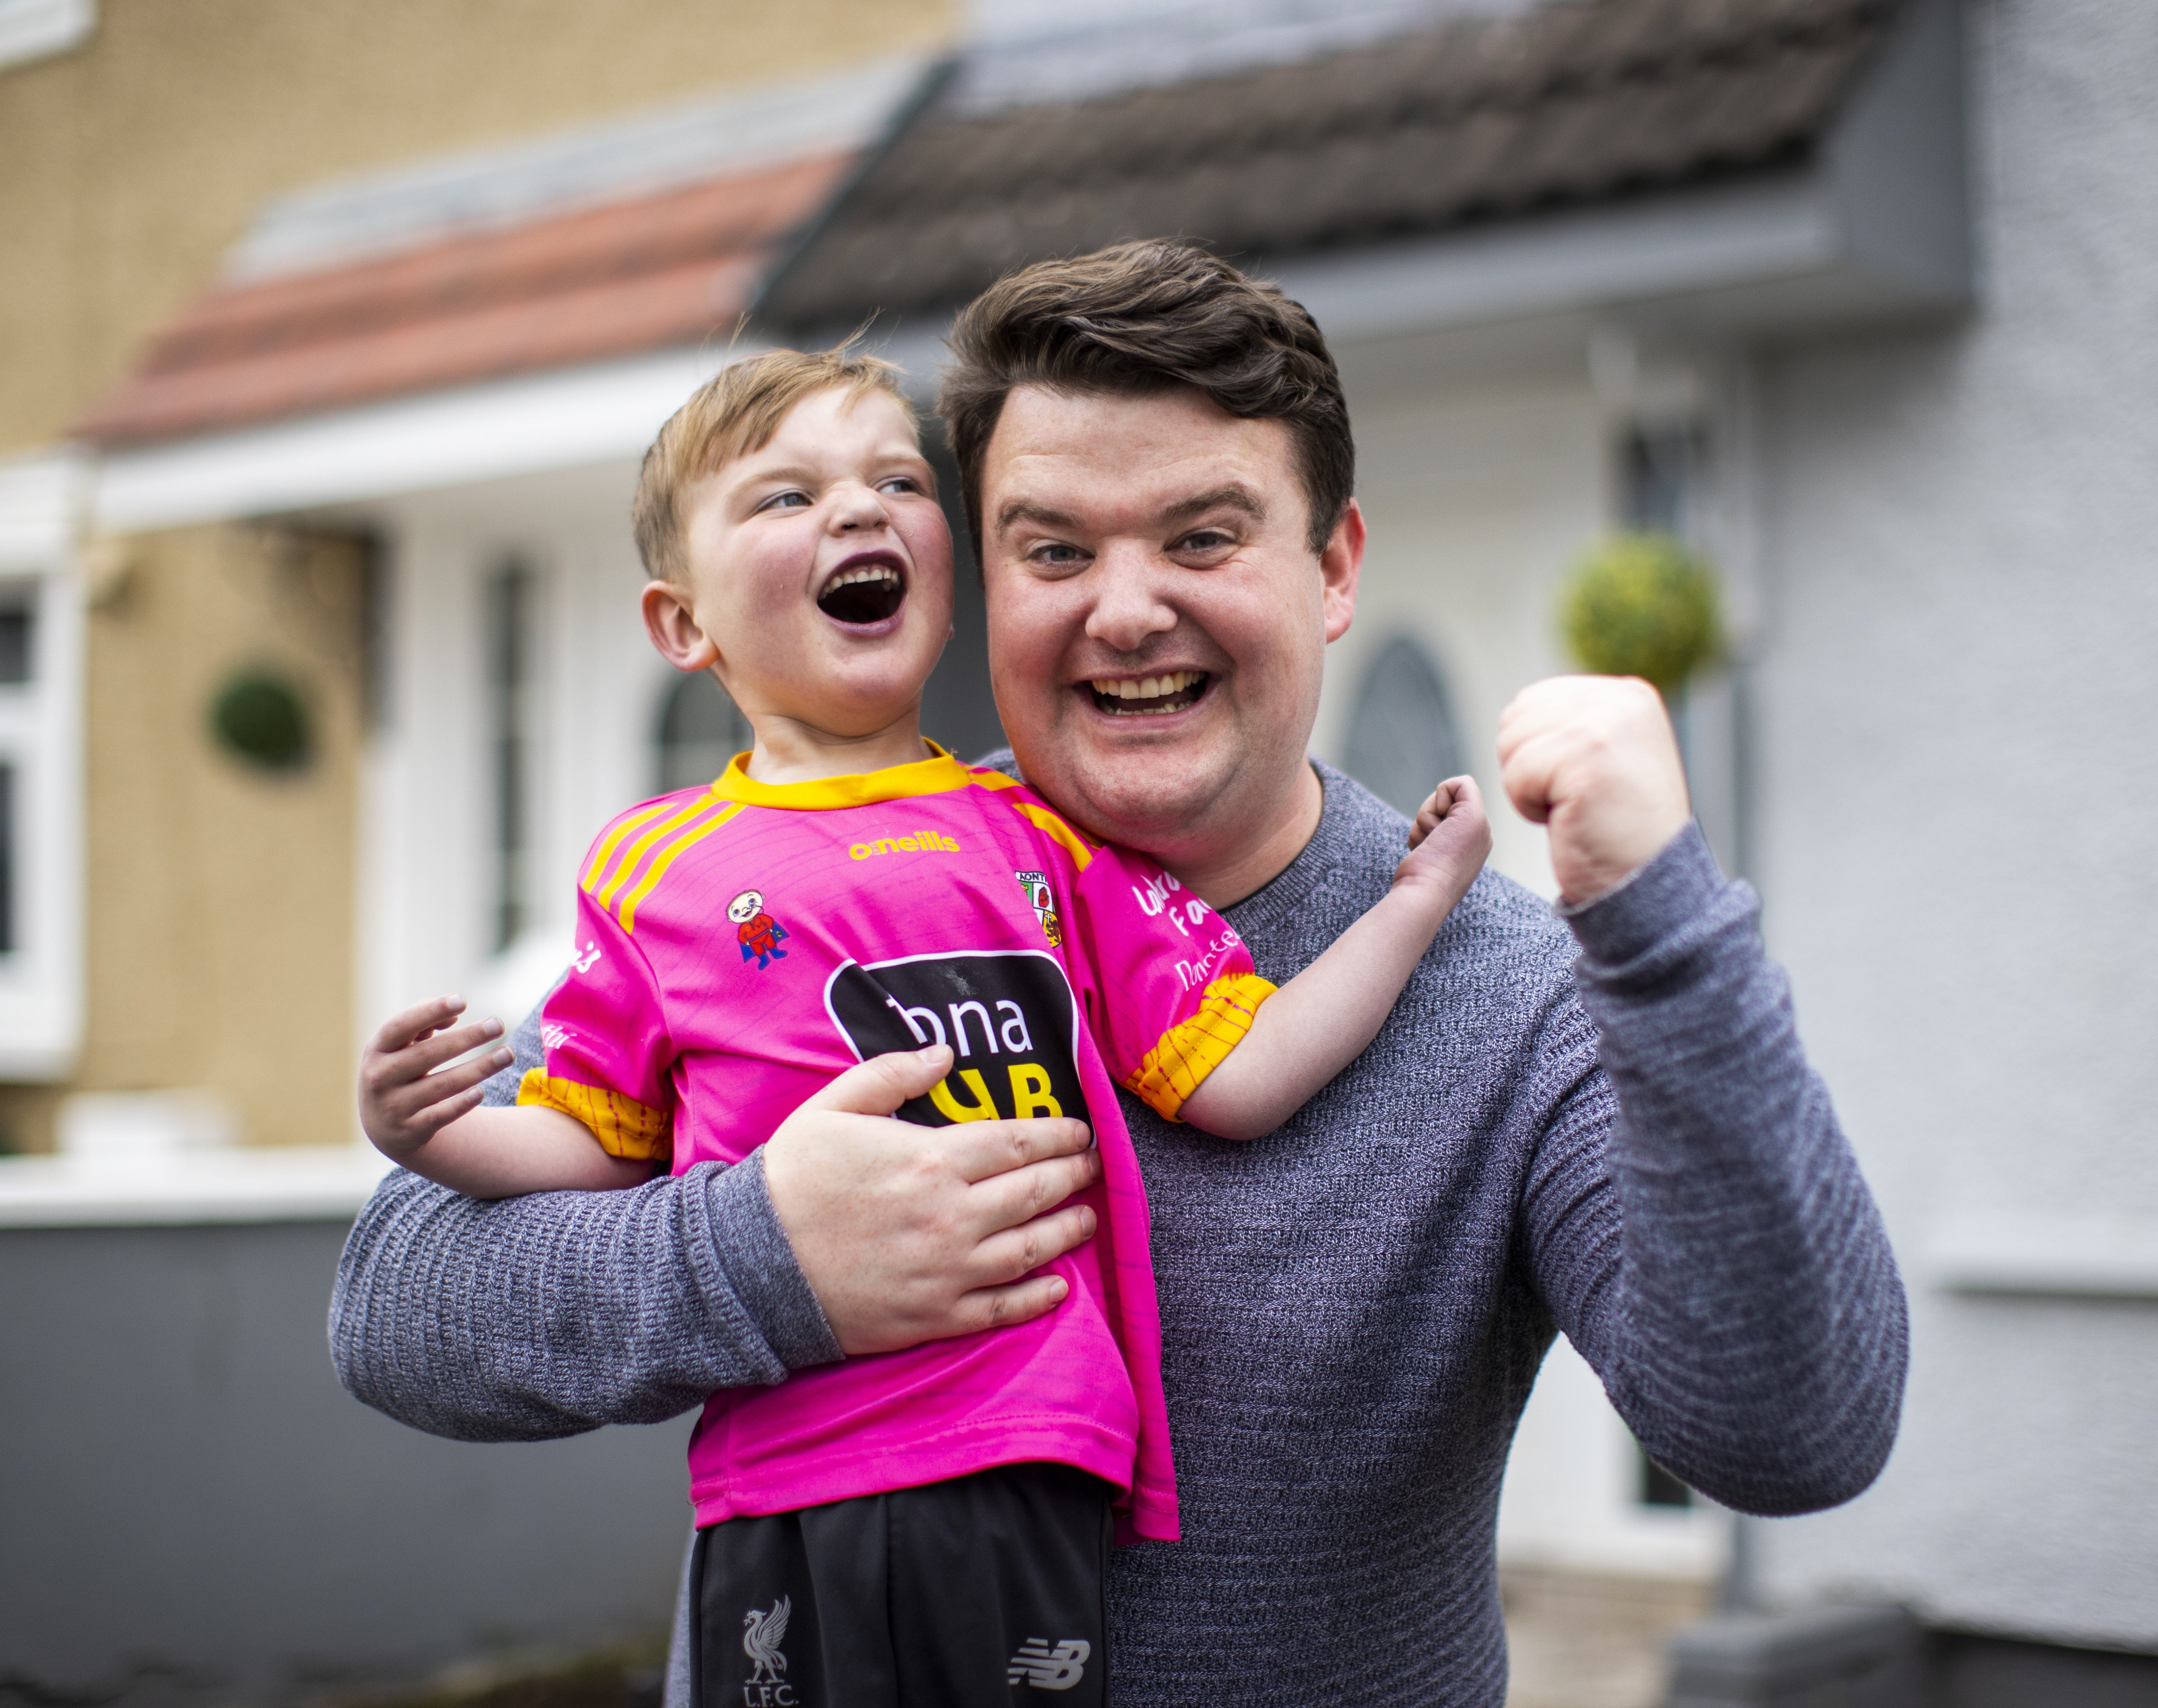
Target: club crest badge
1043, 899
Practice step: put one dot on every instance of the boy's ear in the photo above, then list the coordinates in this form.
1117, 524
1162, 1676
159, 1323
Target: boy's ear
673, 626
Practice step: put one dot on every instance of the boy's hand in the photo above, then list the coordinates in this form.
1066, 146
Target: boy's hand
1449, 841
404, 1101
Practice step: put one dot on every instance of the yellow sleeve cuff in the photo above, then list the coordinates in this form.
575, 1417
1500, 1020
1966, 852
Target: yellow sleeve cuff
1174, 1068
624, 1126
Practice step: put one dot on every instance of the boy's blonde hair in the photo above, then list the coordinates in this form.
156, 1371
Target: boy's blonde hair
732, 415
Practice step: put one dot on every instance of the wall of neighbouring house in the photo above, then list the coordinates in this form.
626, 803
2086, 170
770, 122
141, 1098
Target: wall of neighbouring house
135, 162
1959, 819
219, 947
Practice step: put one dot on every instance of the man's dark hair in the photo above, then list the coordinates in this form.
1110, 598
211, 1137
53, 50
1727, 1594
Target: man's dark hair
1144, 317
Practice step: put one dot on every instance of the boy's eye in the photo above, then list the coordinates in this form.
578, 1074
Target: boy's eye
788, 500
900, 482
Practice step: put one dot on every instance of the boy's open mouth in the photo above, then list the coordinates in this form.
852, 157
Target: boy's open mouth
1148, 696
866, 590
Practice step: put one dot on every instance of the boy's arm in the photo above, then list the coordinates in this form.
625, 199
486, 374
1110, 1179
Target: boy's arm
1321, 1020
420, 1108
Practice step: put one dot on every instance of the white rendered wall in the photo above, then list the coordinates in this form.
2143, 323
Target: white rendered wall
1959, 830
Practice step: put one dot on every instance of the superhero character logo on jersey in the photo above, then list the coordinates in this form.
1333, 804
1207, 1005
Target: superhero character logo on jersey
1010, 1018
1043, 899
756, 930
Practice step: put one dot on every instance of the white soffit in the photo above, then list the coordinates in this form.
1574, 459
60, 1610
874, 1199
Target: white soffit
567, 419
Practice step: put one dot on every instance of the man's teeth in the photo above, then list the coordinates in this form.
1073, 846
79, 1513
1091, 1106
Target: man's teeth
1134, 689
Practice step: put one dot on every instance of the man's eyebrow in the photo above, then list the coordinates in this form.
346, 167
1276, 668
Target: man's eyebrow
1235, 496
1026, 510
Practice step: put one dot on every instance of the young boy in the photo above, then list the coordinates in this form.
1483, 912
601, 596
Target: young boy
928, 1525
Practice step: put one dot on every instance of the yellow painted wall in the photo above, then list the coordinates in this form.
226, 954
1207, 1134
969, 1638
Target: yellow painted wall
221, 915
133, 163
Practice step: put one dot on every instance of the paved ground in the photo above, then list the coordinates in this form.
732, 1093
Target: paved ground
1583, 1641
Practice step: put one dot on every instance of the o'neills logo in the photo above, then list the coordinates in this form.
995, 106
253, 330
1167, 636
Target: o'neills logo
920, 842
1009, 1018
761, 1631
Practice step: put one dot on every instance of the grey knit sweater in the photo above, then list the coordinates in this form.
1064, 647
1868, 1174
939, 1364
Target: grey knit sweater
1627, 1147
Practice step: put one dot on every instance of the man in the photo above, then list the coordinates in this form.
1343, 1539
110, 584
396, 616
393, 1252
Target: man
1156, 459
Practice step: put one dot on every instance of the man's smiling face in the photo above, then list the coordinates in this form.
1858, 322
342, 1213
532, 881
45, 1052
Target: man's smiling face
1158, 619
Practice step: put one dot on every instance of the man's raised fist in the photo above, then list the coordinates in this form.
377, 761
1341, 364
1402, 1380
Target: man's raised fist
1594, 759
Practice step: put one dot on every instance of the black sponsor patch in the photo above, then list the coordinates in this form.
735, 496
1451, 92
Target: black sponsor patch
1007, 1019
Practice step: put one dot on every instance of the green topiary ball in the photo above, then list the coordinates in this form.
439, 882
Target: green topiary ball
1642, 605
260, 717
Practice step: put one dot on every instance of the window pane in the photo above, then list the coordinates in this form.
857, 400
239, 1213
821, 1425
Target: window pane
15, 626
509, 603
1402, 742
8, 861
699, 730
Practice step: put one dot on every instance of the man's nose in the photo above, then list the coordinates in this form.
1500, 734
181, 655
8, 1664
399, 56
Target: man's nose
1127, 608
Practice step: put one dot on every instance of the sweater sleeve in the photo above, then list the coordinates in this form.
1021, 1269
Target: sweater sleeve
1697, 1222
531, 1318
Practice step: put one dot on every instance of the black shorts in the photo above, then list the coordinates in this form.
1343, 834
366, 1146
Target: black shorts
985, 1589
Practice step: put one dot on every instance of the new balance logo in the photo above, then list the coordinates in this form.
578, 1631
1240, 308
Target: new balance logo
1047, 1668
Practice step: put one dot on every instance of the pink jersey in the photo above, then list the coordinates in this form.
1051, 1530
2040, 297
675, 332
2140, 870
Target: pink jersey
740, 945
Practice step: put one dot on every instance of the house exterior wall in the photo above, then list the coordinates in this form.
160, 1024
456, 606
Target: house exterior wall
1958, 817
219, 950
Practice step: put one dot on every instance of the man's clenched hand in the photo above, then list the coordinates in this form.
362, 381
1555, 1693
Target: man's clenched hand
1594, 759
907, 1234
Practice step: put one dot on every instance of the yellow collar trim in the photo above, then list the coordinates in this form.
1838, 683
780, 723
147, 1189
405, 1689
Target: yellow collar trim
935, 776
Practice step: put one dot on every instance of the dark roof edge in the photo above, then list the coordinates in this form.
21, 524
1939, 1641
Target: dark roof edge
935, 80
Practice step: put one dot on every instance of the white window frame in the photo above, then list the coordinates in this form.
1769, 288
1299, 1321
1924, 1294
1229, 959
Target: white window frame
37, 30
41, 980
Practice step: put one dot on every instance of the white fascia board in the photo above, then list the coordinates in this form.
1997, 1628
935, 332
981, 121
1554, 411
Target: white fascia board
1682, 246
567, 419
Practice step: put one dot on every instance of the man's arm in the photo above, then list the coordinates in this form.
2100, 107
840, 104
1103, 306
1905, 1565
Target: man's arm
547, 1315
1704, 1238
1705, 1241
543, 1316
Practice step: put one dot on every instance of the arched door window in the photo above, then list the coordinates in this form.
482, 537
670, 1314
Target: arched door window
699, 730
1402, 740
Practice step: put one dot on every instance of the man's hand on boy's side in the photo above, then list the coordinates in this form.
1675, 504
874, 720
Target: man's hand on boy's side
907, 1234
406, 1094
1594, 759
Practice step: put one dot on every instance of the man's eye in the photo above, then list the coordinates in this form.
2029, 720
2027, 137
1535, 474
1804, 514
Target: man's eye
1205, 540
1057, 555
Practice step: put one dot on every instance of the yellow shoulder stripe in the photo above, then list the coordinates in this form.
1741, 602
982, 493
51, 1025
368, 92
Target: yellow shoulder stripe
666, 857
1053, 828
624, 1126
992, 780
604, 889
1176, 1067
595, 862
